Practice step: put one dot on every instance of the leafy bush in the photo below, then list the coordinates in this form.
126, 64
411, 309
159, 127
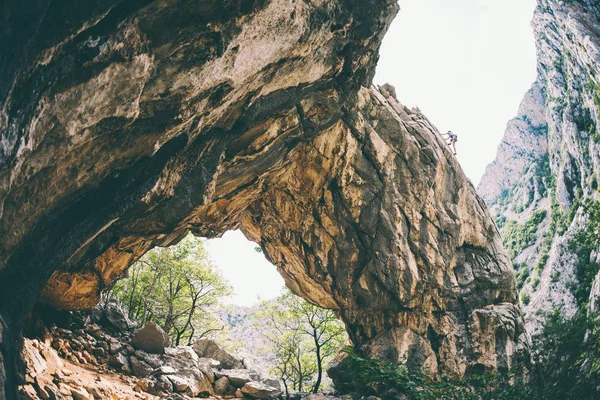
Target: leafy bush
500, 221
522, 276
566, 366
582, 245
525, 298
567, 359
366, 377
518, 237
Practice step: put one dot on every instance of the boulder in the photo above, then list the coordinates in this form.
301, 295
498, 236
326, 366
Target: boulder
140, 368
221, 385
151, 338
191, 382
238, 377
118, 361
32, 359
206, 365
208, 348
153, 359
81, 394
163, 384
117, 318
165, 370
184, 355
272, 382
259, 390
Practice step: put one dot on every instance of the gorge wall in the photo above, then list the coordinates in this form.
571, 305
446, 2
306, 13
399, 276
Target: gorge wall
543, 185
126, 125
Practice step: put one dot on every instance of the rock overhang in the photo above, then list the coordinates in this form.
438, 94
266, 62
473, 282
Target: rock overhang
168, 118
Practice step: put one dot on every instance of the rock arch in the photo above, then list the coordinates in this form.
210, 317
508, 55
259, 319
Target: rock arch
136, 122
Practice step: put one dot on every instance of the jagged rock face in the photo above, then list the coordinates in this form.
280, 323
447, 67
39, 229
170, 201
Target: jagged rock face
133, 124
546, 172
524, 142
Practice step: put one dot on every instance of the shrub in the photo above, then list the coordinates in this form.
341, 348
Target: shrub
518, 237
521, 276
566, 366
567, 359
525, 298
366, 377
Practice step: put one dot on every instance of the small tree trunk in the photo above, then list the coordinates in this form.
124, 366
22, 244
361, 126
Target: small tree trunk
319, 362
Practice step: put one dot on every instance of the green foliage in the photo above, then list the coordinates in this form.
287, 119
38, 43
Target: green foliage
566, 366
584, 122
555, 276
582, 245
500, 221
558, 223
304, 338
521, 276
518, 237
366, 377
174, 287
543, 175
519, 208
503, 200
525, 298
567, 359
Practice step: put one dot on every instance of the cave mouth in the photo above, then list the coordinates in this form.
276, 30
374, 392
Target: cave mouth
321, 187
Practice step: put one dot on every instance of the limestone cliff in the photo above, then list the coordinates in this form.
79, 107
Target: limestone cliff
128, 124
543, 185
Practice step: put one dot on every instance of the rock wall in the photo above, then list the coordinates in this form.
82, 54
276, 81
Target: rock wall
128, 125
543, 185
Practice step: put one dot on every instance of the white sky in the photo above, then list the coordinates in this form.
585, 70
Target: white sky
465, 63
250, 274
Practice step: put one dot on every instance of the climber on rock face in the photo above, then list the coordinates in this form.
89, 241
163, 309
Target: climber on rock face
451, 139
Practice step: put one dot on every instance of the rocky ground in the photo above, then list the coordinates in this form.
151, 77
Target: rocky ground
98, 356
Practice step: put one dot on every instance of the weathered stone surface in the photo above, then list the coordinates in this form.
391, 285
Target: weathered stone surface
140, 368
117, 317
151, 338
128, 126
208, 348
221, 385
118, 361
206, 365
595, 295
274, 383
524, 142
549, 160
238, 377
258, 390
191, 382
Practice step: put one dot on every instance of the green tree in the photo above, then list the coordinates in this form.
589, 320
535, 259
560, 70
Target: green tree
303, 338
175, 287
567, 358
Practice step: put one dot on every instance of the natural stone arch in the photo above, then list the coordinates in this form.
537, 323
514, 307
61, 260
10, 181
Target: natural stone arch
367, 214
134, 123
